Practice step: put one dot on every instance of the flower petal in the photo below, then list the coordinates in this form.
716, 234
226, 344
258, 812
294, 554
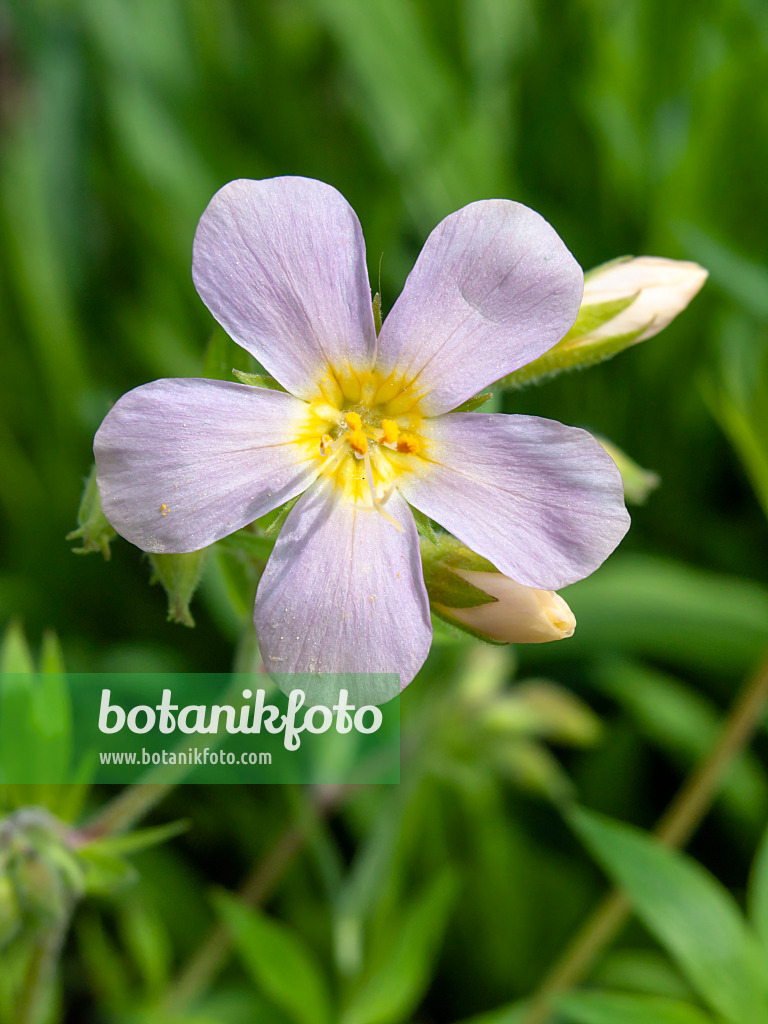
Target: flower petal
281, 265
343, 590
542, 501
181, 463
493, 288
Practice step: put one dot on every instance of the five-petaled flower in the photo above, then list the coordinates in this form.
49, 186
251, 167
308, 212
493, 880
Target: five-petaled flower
365, 427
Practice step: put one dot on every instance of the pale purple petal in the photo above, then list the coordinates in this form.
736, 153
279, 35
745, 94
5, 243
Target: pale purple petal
542, 501
493, 288
181, 463
281, 265
343, 590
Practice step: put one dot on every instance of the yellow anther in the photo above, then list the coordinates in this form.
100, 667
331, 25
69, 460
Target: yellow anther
409, 444
389, 432
325, 444
354, 421
358, 442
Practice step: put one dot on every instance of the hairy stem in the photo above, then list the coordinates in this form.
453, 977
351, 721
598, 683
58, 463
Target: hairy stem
674, 829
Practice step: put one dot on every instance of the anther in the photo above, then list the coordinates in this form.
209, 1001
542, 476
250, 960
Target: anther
325, 444
389, 432
354, 421
408, 443
358, 442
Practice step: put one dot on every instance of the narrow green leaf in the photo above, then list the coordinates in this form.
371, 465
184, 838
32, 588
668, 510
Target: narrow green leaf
258, 380
758, 895
278, 961
396, 983
472, 404
424, 525
688, 911
618, 1008
141, 839
276, 525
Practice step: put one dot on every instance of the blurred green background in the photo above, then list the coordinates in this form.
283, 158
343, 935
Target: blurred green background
633, 126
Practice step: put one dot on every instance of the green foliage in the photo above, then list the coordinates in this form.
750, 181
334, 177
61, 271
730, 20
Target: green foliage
278, 962
689, 912
632, 127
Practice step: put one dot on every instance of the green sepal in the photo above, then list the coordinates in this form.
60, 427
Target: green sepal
473, 403
258, 380
638, 482
444, 587
424, 525
92, 526
273, 528
461, 627
562, 360
180, 576
594, 315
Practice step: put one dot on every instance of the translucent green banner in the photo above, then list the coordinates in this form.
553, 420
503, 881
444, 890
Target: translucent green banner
216, 729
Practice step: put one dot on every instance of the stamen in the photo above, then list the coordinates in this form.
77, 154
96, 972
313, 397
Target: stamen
409, 444
389, 432
325, 444
354, 421
358, 441
376, 503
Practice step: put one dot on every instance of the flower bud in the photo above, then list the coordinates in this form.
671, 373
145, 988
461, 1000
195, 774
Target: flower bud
180, 576
92, 526
519, 615
625, 301
641, 295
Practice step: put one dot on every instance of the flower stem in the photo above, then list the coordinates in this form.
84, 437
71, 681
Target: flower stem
127, 808
205, 964
41, 972
674, 829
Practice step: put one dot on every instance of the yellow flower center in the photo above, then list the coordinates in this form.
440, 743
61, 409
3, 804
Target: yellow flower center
364, 428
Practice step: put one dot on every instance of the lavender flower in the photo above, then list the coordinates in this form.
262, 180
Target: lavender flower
366, 427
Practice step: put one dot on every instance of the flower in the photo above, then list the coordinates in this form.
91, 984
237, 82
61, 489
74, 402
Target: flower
518, 615
365, 427
641, 295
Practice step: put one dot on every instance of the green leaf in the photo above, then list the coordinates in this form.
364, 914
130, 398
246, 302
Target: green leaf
278, 961
688, 911
618, 1008
758, 895
15, 655
472, 404
664, 609
281, 514
141, 839
397, 981
682, 722
247, 543
258, 380
424, 525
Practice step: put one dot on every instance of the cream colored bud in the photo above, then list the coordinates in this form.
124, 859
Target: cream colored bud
663, 288
519, 615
